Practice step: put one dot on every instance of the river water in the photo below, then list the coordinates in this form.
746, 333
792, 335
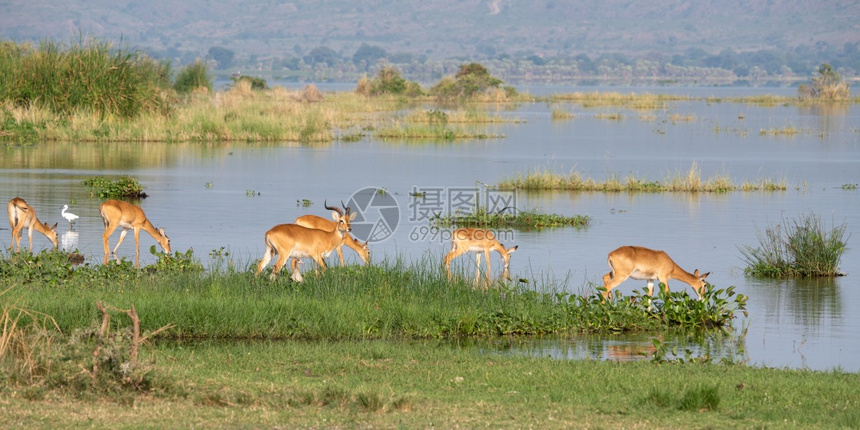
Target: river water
209, 196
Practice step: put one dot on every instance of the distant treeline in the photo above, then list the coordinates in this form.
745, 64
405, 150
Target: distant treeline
695, 64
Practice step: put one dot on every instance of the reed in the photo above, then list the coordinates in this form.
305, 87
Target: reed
796, 247
88, 75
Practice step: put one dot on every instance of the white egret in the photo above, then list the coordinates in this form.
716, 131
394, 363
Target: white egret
70, 217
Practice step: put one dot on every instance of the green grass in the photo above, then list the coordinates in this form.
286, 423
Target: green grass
419, 384
796, 247
391, 300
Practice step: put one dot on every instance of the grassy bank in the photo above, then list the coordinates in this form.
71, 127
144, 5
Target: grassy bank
382, 384
386, 300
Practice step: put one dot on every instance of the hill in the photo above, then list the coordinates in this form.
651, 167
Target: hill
438, 29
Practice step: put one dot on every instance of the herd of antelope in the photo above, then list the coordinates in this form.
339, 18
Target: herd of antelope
315, 237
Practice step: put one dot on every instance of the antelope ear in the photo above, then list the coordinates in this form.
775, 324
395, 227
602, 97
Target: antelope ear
705, 275
52, 228
513, 249
335, 216
161, 231
352, 216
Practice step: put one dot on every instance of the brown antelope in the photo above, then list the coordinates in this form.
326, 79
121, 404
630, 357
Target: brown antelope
320, 223
477, 240
297, 242
21, 216
650, 265
115, 214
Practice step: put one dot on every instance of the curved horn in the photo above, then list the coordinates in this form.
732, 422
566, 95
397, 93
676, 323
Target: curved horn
345, 207
333, 208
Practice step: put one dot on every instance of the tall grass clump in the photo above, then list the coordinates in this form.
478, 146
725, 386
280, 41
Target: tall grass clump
88, 75
193, 77
800, 247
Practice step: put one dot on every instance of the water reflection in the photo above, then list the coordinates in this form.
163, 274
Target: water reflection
622, 347
814, 303
69, 241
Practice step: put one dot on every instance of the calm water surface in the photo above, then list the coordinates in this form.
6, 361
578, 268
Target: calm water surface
209, 196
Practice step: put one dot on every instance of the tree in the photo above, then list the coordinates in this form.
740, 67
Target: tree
222, 56
368, 54
322, 54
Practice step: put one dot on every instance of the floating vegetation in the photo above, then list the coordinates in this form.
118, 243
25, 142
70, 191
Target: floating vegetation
560, 114
690, 181
849, 186
523, 220
125, 187
784, 131
610, 115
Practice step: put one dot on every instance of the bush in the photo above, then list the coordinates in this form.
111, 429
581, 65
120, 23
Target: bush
193, 77
388, 81
828, 85
256, 83
799, 247
472, 79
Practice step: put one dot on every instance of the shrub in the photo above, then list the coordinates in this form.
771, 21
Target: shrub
192, 77
472, 79
799, 247
388, 81
256, 83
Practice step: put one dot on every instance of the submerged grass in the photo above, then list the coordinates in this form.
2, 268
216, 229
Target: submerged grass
690, 181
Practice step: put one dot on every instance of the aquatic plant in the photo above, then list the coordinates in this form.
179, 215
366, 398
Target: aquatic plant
125, 187
523, 220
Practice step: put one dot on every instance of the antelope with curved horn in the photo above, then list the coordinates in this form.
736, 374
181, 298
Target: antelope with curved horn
320, 223
21, 216
117, 213
297, 242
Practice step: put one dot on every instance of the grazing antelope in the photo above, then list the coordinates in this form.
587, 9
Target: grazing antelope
320, 223
21, 216
115, 214
476, 240
647, 264
297, 242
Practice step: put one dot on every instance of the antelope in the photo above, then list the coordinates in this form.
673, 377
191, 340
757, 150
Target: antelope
21, 216
464, 240
116, 213
320, 223
642, 263
297, 242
